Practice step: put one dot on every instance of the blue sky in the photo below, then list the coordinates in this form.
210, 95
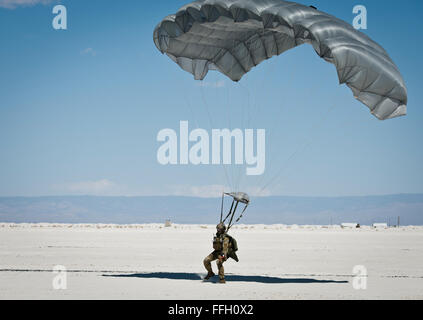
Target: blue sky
80, 109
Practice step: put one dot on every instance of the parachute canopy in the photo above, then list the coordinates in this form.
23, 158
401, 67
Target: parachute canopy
233, 36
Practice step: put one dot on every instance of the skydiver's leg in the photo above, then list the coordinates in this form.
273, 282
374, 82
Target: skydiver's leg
221, 270
207, 264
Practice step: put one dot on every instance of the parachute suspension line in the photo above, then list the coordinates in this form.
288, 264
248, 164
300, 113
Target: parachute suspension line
229, 118
270, 159
272, 151
253, 102
191, 111
228, 181
254, 112
246, 125
221, 207
206, 107
234, 166
239, 170
197, 125
247, 88
297, 151
255, 105
343, 125
228, 106
251, 110
259, 88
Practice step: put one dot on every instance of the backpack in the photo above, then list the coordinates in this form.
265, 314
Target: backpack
234, 244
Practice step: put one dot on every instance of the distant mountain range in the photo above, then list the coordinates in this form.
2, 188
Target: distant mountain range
265, 210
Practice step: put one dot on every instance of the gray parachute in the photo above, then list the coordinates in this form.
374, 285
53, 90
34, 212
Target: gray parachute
233, 36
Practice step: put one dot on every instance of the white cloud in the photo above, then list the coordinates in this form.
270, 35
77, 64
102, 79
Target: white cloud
207, 191
89, 51
13, 4
211, 191
98, 188
258, 192
106, 187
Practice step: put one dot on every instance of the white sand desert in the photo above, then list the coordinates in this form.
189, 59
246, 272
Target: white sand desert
154, 262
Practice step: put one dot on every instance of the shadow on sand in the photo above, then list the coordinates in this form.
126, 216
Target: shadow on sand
215, 279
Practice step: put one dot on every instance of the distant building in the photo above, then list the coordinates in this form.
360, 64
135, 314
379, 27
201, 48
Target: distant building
168, 223
350, 225
380, 225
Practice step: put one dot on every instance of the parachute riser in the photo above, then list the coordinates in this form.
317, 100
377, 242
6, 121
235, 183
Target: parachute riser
233, 214
229, 213
239, 218
221, 208
233, 209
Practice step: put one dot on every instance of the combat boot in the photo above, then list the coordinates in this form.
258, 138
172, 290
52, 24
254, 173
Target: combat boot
209, 275
222, 281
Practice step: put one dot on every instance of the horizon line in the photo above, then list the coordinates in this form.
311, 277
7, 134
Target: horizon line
215, 197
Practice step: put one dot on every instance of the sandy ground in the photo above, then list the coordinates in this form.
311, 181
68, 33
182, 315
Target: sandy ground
154, 262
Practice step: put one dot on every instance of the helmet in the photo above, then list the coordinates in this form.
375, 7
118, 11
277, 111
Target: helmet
221, 227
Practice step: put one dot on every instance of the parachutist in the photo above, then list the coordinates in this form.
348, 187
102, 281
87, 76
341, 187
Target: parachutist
223, 248
224, 245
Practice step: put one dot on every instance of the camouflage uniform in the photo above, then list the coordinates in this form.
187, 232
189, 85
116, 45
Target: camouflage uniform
222, 247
